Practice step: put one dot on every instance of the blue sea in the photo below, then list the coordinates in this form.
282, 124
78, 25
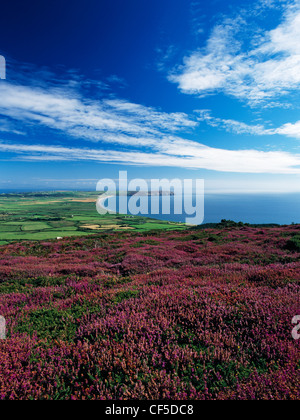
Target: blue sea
253, 208
248, 208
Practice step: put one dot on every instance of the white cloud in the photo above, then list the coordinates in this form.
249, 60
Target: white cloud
95, 120
290, 130
172, 153
8, 127
233, 126
258, 72
238, 127
126, 132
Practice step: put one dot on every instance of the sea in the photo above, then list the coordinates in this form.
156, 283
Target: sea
282, 209
253, 208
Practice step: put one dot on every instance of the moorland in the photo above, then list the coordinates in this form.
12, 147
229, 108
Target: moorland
199, 313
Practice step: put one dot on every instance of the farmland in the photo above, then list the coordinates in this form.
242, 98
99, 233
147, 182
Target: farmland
40, 216
197, 314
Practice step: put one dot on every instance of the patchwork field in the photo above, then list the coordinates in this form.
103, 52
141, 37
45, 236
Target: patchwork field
195, 314
40, 216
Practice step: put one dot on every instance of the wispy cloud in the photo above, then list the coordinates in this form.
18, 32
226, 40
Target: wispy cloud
259, 72
291, 130
104, 120
122, 132
177, 153
233, 126
9, 127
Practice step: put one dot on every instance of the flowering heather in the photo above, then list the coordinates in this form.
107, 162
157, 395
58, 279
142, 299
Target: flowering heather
196, 314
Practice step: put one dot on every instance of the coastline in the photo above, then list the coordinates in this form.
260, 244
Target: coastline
100, 205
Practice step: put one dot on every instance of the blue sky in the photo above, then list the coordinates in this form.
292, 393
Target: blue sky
161, 88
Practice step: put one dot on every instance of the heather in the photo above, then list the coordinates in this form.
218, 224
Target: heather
194, 314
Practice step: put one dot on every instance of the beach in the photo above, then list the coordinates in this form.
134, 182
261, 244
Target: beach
100, 204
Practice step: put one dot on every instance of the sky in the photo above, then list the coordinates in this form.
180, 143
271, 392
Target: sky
163, 89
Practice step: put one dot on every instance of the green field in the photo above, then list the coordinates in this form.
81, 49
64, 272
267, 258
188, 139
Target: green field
42, 216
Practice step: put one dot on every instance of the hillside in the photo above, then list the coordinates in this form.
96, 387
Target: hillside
192, 314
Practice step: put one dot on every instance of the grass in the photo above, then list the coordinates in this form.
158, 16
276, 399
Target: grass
35, 226
42, 216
